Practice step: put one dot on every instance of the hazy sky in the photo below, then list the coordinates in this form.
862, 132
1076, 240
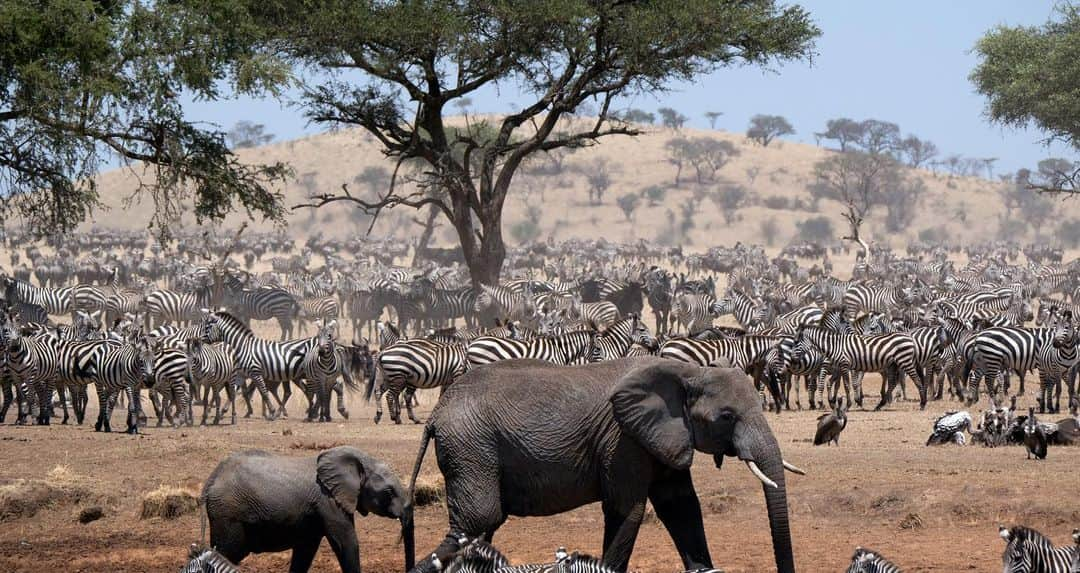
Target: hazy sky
901, 61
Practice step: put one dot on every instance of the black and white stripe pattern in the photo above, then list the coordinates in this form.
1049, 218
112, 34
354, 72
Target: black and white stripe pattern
263, 303
1028, 551
994, 350
863, 297
207, 560
123, 368
412, 364
869, 561
577, 347
211, 368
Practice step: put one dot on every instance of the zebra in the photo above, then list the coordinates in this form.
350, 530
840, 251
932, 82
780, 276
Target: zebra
888, 354
790, 322
207, 560
502, 302
171, 382
55, 300
747, 353
616, 340
263, 303
445, 306
1028, 551
173, 306
1018, 349
576, 347
658, 291
747, 311
212, 367
693, 311
864, 297
412, 364
323, 308
123, 368
322, 365
869, 561
267, 363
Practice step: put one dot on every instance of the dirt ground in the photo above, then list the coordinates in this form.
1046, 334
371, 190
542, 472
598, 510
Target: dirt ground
929, 509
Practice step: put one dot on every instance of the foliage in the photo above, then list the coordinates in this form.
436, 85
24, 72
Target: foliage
765, 128
246, 134
769, 231
375, 177
655, 194
1029, 77
635, 115
916, 152
712, 116
628, 203
597, 175
1068, 232
528, 229
817, 229
863, 181
938, 235
671, 118
87, 81
392, 68
729, 200
705, 154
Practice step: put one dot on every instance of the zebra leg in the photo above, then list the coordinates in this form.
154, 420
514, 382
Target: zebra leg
246, 393
286, 393
8, 397
326, 387
393, 403
260, 385
230, 390
45, 403
379, 391
63, 392
158, 406
104, 409
339, 389
134, 410
206, 404
409, 392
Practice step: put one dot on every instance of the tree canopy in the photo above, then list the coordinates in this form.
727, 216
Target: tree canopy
1029, 75
84, 82
392, 67
765, 128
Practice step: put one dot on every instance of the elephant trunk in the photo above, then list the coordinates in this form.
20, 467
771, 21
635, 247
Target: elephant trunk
407, 536
762, 454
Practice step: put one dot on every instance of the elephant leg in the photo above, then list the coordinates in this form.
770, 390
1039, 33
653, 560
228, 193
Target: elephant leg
341, 534
303, 554
677, 507
229, 540
622, 519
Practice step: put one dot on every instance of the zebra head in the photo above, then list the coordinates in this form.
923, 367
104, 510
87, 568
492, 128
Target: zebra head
212, 328
325, 337
870, 561
143, 356
1026, 550
640, 334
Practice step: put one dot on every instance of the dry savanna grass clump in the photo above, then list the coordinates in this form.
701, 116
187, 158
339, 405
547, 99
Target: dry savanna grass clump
25, 497
429, 491
169, 502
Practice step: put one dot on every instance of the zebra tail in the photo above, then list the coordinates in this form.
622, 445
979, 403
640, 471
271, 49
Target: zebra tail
372, 374
429, 432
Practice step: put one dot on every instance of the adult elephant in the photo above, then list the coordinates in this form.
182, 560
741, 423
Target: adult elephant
259, 502
525, 438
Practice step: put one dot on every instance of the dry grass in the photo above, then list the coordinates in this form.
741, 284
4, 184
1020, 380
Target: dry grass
169, 502
429, 491
26, 497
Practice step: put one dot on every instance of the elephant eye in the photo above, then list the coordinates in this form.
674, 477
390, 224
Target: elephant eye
727, 415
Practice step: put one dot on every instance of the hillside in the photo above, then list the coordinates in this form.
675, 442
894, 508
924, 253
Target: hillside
784, 169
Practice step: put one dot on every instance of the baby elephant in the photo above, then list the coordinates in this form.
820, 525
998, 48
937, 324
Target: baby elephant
260, 502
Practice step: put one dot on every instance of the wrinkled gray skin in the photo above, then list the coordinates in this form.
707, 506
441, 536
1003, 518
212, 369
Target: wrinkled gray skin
524, 438
259, 502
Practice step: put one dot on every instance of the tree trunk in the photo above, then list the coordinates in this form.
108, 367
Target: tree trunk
483, 255
429, 230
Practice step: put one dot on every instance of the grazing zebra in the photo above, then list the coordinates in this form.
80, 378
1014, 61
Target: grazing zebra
995, 350
868, 298
267, 363
576, 347
123, 368
263, 303
1028, 551
412, 364
207, 560
212, 367
869, 561
888, 354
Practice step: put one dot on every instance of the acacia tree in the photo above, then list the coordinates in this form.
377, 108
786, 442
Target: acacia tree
1029, 76
392, 68
765, 128
83, 82
671, 118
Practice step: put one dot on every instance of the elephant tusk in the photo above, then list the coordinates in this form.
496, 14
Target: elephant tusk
793, 469
760, 474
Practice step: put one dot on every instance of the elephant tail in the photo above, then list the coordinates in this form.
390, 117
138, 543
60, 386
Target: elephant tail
202, 521
429, 432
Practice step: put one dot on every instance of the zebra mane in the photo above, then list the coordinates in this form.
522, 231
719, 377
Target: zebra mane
232, 320
1024, 534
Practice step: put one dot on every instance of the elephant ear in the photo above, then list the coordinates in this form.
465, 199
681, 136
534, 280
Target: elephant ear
649, 403
341, 471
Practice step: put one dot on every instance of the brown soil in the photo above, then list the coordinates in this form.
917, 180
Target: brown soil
929, 509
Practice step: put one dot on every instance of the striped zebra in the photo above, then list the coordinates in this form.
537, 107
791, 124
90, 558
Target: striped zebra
445, 306
869, 298
748, 312
791, 321
410, 365
1018, 349
321, 368
324, 308
267, 363
211, 368
694, 312
1028, 551
174, 306
789, 360
207, 560
888, 354
616, 340
123, 368
869, 561
56, 301
171, 383
263, 303
503, 303
578, 347
747, 353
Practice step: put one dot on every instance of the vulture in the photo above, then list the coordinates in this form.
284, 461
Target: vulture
950, 428
830, 425
1034, 437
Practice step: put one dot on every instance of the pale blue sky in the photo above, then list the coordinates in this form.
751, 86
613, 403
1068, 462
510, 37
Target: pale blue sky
901, 61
